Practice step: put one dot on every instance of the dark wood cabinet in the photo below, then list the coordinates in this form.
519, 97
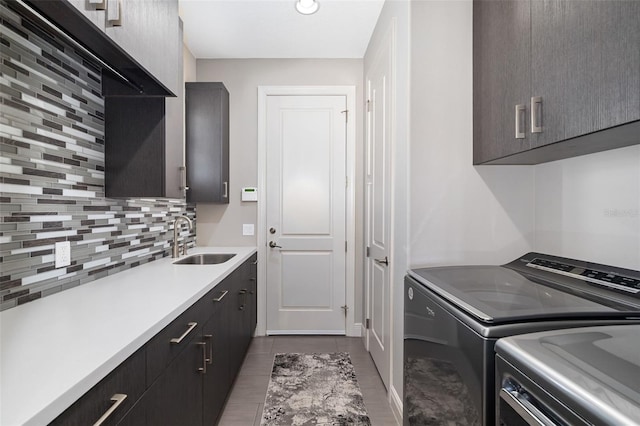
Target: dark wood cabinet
501, 78
144, 141
176, 397
207, 142
564, 74
218, 379
184, 374
117, 392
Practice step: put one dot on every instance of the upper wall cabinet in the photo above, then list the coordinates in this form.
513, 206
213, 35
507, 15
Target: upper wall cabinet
148, 31
554, 79
131, 37
207, 142
144, 149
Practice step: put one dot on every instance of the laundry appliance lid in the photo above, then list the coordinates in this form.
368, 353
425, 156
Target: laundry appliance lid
495, 294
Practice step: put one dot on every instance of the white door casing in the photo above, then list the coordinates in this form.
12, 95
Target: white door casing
378, 205
304, 209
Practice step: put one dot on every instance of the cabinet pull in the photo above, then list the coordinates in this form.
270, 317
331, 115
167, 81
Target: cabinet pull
520, 116
219, 298
203, 369
209, 337
226, 189
177, 340
114, 12
117, 399
536, 114
183, 178
243, 293
98, 4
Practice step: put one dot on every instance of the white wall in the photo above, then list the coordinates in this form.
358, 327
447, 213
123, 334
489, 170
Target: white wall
222, 224
460, 214
589, 207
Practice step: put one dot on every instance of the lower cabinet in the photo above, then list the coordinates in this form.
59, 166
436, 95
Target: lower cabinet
218, 379
184, 374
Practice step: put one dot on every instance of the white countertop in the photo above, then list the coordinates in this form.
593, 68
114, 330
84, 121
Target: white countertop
55, 349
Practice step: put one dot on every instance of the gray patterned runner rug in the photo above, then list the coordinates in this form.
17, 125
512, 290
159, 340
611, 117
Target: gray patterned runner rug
314, 389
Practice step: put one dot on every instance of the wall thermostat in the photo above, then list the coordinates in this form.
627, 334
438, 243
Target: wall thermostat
250, 194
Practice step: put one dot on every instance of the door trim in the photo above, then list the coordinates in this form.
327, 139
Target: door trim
350, 93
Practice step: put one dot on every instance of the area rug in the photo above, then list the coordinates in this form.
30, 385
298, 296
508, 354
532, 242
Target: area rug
313, 389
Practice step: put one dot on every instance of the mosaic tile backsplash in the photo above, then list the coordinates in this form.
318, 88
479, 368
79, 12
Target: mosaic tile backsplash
52, 174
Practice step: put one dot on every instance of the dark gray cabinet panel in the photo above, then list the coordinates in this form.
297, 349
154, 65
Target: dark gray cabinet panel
501, 58
176, 397
127, 379
144, 141
586, 67
217, 382
207, 142
134, 146
584, 64
149, 33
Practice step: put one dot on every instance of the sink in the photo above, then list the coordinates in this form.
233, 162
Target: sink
205, 259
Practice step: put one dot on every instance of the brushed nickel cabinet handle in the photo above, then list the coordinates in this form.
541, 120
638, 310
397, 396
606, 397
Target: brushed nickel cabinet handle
203, 369
117, 399
209, 337
536, 114
226, 189
177, 340
520, 116
114, 12
219, 298
183, 178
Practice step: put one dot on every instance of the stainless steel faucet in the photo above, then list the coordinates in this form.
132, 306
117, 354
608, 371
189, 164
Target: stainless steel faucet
176, 224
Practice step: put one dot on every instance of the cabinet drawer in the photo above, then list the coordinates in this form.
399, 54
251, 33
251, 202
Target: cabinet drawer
127, 379
173, 339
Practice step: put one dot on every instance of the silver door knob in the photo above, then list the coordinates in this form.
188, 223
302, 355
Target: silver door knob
273, 244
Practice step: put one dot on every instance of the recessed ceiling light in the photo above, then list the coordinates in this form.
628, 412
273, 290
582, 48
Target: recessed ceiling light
307, 7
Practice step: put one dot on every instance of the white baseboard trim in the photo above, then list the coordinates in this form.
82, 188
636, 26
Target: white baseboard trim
356, 330
305, 332
396, 404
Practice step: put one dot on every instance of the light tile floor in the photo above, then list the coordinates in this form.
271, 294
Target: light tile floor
244, 407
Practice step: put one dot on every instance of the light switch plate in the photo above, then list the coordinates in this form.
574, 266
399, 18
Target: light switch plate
63, 254
248, 229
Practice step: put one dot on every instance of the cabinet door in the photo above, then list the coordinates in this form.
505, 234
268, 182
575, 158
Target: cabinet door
176, 397
501, 77
127, 379
217, 380
149, 32
585, 65
175, 180
253, 294
207, 142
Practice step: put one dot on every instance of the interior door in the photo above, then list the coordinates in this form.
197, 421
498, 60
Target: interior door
305, 214
378, 202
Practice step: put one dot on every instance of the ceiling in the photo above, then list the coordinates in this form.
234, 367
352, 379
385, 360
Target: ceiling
274, 29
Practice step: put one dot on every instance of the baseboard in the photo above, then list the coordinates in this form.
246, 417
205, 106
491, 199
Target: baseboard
396, 404
356, 330
304, 332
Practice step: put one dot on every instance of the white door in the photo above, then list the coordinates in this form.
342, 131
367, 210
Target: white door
377, 204
305, 214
